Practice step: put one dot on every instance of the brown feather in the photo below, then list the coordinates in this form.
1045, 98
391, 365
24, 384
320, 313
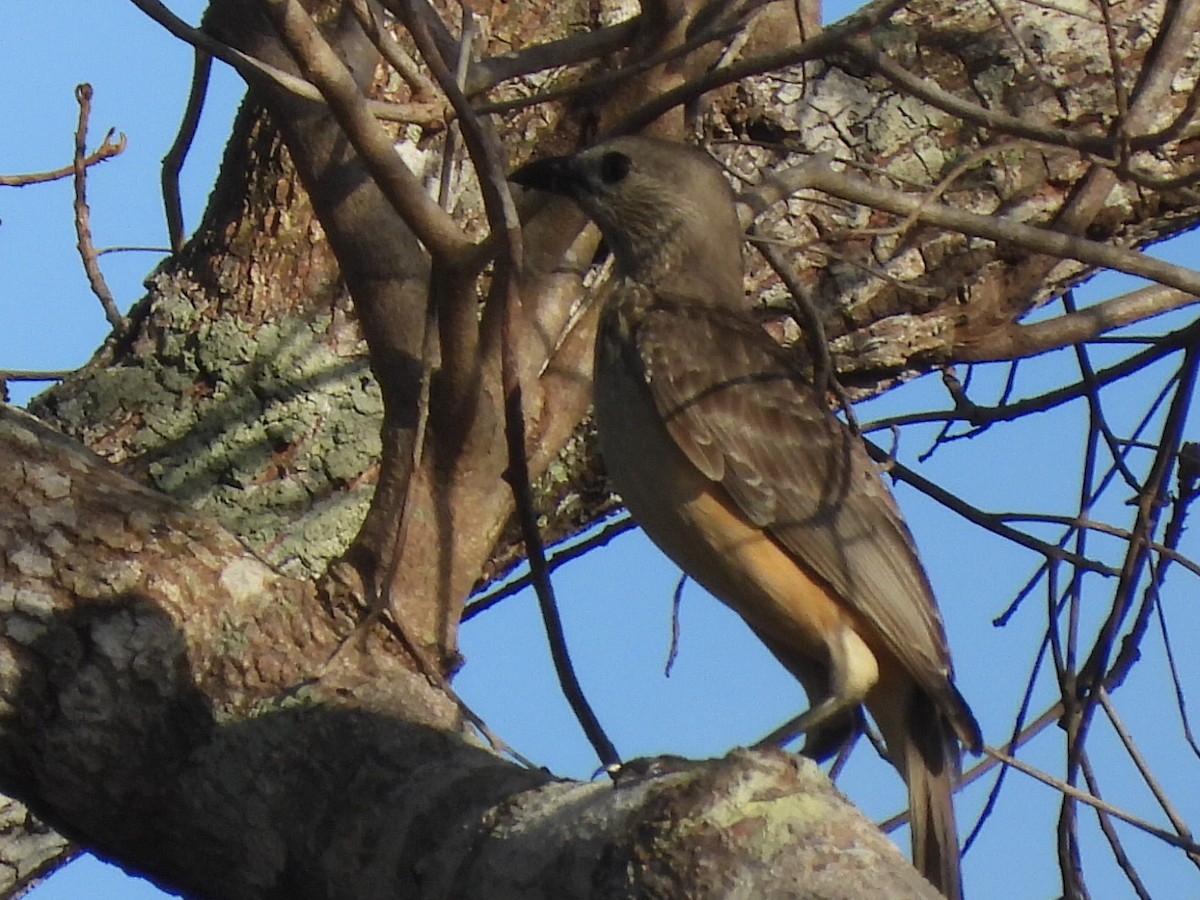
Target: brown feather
736, 467
746, 418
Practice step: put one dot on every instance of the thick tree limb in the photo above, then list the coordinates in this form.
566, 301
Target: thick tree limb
255, 284
140, 638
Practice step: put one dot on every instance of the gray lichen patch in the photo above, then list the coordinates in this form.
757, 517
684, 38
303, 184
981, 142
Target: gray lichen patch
272, 429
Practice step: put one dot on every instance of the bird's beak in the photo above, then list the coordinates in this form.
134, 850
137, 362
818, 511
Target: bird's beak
554, 174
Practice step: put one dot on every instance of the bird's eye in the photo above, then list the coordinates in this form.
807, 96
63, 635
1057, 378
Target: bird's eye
614, 166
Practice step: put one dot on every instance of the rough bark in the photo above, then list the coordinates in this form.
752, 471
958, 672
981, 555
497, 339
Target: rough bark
187, 705
207, 693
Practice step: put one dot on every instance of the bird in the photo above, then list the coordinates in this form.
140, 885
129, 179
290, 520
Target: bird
733, 463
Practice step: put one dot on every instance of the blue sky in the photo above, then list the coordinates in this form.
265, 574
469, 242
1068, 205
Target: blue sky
725, 689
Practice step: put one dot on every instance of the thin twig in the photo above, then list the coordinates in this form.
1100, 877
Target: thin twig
1043, 241
1084, 797
974, 514
1076, 523
323, 68
31, 375
1019, 737
572, 50
172, 163
1187, 488
864, 49
1177, 683
606, 80
818, 46
1144, 770
1035, 67
824, 376
83, 230
558, 558
433, 675
450, 150
486, 154
1110, 833
103, 251
1167, 344
261, 73
107, 150
1149, 507
423, 89
676, 604
1087, 375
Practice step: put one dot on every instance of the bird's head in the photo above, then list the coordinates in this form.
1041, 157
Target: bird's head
665, 209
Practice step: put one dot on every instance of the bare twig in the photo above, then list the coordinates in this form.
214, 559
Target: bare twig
985, 520
107, 150
607, 79
577, 48
426, 666
1093, 496
259, 72
450, 150
1021, 734
486, 601
1084, 797
862, 47
172, 163
999, 229
1110, 833
1177, 683
506, 228
824, 376
422, 88
1015, 341
676, 605
130, 248
1087, 373
323, 68
31, 375
1143, 768
83, 230
1169, 343
1149, 508
1187, 490
816, 47
1023, 48
1077, 523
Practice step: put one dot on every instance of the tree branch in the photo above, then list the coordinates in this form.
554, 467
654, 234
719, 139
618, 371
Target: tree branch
172, 162
321, 66
258, 72
83, 230
107, 150
1013, 341
577, 48
1027, 237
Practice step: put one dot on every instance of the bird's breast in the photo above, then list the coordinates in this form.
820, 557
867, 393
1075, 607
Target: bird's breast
693, 520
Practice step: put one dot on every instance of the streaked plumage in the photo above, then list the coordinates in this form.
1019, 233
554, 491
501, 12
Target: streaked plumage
734, 465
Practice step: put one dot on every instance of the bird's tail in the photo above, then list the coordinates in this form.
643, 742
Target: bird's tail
931, 807
923, 745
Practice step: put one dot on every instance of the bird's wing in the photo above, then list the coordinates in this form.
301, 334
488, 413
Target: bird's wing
747, 419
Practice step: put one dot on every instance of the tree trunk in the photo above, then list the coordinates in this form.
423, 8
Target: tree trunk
195, 681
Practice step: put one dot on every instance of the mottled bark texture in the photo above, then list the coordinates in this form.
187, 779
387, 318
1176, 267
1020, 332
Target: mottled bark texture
187, 705
173, 701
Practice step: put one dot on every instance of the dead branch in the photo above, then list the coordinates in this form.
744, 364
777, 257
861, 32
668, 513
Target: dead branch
107, 150
83, 230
